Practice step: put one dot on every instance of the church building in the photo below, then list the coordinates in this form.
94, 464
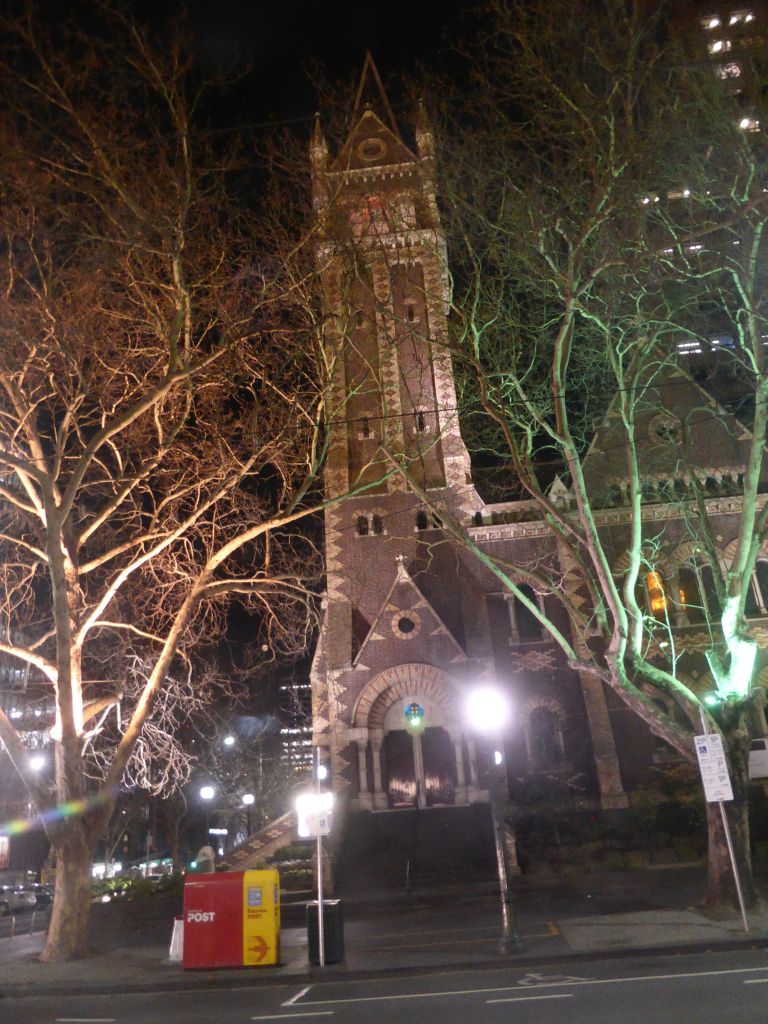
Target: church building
412, 621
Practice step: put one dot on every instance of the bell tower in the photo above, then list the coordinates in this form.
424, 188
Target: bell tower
383, 260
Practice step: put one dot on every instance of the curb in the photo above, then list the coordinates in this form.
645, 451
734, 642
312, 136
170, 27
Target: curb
233, 979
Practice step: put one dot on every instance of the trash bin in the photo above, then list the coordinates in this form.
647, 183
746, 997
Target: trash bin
333, 931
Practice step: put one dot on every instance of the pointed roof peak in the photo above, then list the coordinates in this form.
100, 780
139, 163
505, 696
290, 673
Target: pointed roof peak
371, 94
402, 572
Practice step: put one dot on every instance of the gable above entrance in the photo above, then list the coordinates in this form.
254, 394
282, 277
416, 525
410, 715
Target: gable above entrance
407, 614
400, 683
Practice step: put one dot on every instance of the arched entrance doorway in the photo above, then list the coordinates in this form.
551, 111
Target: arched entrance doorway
419, 768
402, 767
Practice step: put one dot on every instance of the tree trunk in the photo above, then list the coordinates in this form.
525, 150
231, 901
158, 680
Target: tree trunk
721, 887
68, 932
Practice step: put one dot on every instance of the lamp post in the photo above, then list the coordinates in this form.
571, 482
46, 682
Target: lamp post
207, 793
248, 801
488, 712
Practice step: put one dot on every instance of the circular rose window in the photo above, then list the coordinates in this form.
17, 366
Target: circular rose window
665, 428
406, 625
372, 149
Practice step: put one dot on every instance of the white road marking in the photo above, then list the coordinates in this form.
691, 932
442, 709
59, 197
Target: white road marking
546, 984
535, 980
757, 981
285, 1016
524, 999
86, 1020
293, 999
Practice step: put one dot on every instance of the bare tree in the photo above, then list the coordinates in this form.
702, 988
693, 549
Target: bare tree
162, 387
605, 198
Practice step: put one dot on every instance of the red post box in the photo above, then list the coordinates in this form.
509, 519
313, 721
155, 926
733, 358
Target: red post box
232, 919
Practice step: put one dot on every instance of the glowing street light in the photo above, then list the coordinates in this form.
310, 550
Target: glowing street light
488, 713
37, 762
248, 800
207, 793
229, 741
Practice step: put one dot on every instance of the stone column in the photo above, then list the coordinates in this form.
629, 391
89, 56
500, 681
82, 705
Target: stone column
362, 767
379, 796
612, 795
364, 798
458, 751
472, 762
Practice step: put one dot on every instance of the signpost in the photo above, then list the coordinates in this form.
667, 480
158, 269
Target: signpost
315, 818
717, 789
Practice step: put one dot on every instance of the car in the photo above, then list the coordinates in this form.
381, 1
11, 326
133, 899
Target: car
14, 898
43, 894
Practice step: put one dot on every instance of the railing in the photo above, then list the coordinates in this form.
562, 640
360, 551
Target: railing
24, 924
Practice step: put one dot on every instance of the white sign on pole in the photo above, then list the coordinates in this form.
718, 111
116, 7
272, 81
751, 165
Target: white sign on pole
315, 814
713, 767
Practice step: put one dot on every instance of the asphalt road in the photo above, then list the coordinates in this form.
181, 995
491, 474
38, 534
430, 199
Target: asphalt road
710, 988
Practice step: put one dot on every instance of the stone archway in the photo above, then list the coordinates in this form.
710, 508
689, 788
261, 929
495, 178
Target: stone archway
421, 768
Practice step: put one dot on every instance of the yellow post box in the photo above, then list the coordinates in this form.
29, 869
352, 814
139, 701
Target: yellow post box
261, 918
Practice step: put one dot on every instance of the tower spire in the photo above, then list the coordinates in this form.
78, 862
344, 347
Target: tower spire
370, 82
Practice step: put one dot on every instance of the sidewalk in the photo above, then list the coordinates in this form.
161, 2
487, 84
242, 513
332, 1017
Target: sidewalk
611, 914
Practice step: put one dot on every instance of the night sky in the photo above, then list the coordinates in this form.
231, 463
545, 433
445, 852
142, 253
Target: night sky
278, 42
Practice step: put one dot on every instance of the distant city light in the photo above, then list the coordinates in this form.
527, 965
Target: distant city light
248, 799
207, 792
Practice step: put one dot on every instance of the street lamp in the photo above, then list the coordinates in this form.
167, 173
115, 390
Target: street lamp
207, 793
488, 712
37, 762
248, 800
229, 741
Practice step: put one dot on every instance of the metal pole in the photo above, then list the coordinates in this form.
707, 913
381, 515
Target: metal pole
510, 939
729, 842
320, 922
736, 879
